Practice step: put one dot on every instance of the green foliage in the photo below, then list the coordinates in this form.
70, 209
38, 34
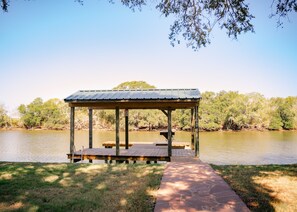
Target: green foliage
287, 114
147, 119
233, 111
55, 114
275, 122
195, 20
210, 119
31, 114
51, 114
106, 118
15, 122
133, 85
139, 119
275, 119
283, 114
213, 108
181, 119
245, 111
4, 119
218, 111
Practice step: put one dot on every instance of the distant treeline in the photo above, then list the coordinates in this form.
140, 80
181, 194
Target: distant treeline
218, 111
234, 111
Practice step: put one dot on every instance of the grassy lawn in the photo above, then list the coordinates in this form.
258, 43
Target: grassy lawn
78, 187
263, 188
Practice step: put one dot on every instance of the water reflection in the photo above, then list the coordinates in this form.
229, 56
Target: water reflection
215, 147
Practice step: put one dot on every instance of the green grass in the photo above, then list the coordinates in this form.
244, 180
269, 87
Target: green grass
265, 187
78, 187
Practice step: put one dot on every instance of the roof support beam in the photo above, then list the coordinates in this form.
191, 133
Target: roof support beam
162, 105
166, 114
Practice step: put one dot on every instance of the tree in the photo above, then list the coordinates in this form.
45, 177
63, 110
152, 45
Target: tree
275, 121
283, 113
4, 118
257, 111
133, 85
51, 114
141, 119
31, 115
55, 114
233, 111
181, 119
286, 113
195, 19
211, 112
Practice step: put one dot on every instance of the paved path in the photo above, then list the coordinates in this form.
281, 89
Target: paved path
191, 185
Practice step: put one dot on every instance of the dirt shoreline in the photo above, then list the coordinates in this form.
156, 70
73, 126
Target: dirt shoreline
143, 130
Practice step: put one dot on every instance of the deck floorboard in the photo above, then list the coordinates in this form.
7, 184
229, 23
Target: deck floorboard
136, 152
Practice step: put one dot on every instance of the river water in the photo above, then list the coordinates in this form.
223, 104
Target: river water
249, 147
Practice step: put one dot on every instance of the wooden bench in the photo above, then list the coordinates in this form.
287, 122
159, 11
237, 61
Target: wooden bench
174, 145
165, 133
110, 144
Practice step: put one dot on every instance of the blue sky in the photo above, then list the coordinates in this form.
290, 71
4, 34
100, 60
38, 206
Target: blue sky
53, 48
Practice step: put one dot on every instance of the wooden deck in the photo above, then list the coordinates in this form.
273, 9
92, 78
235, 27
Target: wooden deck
138, 152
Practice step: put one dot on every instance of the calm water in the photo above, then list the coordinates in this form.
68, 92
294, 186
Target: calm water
216, 147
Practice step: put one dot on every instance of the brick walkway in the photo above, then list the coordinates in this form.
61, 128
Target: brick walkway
191, 185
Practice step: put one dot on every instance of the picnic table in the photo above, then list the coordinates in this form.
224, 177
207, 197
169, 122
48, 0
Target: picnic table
165, 133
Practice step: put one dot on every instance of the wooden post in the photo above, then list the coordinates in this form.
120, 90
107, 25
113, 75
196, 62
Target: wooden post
169, 135
72, 115
126, 129
192, 129
196, 139
90, 130
117, 131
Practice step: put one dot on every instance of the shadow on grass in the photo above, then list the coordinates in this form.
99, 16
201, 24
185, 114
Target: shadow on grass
78, 187
260, 187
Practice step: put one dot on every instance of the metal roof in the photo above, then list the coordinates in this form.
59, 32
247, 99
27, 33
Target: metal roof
134, 95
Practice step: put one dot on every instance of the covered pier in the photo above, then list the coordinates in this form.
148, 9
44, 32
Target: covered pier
166, 100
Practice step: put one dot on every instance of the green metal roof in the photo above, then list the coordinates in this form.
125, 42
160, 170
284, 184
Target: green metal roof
149, 94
